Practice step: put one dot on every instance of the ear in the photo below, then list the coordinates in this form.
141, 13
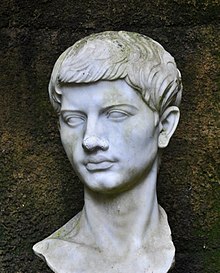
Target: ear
167, 125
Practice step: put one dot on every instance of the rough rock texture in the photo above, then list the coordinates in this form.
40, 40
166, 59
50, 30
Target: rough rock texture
39, 191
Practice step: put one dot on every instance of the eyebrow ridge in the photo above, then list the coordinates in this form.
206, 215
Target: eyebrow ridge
105, 108
71, 111
119, 105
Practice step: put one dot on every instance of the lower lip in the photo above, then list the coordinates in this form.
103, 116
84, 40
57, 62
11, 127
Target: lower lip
99, 166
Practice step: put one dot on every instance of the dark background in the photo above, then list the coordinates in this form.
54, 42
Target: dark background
39, 191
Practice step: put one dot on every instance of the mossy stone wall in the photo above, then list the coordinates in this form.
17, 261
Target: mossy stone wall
39, 191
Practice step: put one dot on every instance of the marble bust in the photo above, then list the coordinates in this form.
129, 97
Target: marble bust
117, 96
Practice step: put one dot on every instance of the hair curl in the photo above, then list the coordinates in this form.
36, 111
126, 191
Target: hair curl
142, 62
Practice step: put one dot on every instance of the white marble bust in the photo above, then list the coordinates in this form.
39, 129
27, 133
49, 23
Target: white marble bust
117, 96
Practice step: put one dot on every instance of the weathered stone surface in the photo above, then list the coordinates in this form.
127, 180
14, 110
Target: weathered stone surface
33, 190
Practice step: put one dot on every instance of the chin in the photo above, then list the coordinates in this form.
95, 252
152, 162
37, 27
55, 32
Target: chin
107, 184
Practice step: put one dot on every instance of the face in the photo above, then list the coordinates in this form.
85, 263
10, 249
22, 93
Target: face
109, 134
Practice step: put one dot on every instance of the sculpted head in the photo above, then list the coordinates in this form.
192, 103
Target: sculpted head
146, 85
117, 96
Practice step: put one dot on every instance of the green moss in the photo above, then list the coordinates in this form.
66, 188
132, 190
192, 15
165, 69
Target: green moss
211, 260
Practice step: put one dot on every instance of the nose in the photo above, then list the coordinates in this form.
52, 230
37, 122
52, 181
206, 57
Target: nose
92, 143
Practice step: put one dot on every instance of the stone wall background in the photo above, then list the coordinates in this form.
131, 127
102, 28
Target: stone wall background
39, 191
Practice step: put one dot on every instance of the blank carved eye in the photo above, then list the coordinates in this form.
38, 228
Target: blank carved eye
74, 120
117, 115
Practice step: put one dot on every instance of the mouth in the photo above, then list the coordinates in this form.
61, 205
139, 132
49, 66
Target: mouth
98, 163
99, 166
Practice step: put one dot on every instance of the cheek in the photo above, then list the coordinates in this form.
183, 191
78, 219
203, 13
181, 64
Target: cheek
140, 143
126, 133
70, 142
137, 135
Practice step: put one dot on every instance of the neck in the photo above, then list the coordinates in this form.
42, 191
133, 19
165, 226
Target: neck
123, 221
127, 232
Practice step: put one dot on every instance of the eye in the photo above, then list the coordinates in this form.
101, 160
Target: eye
117, 114
74, 120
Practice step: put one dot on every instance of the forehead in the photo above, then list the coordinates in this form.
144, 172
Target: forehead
101, 93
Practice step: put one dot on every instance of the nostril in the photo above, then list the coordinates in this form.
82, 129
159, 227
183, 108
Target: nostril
89, 142
92, 143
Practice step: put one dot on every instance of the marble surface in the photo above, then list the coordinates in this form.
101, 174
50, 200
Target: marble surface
117, 96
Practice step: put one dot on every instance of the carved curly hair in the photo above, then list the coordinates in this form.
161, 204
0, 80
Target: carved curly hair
142, 62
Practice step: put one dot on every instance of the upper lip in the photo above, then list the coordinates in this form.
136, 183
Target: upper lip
97, 159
